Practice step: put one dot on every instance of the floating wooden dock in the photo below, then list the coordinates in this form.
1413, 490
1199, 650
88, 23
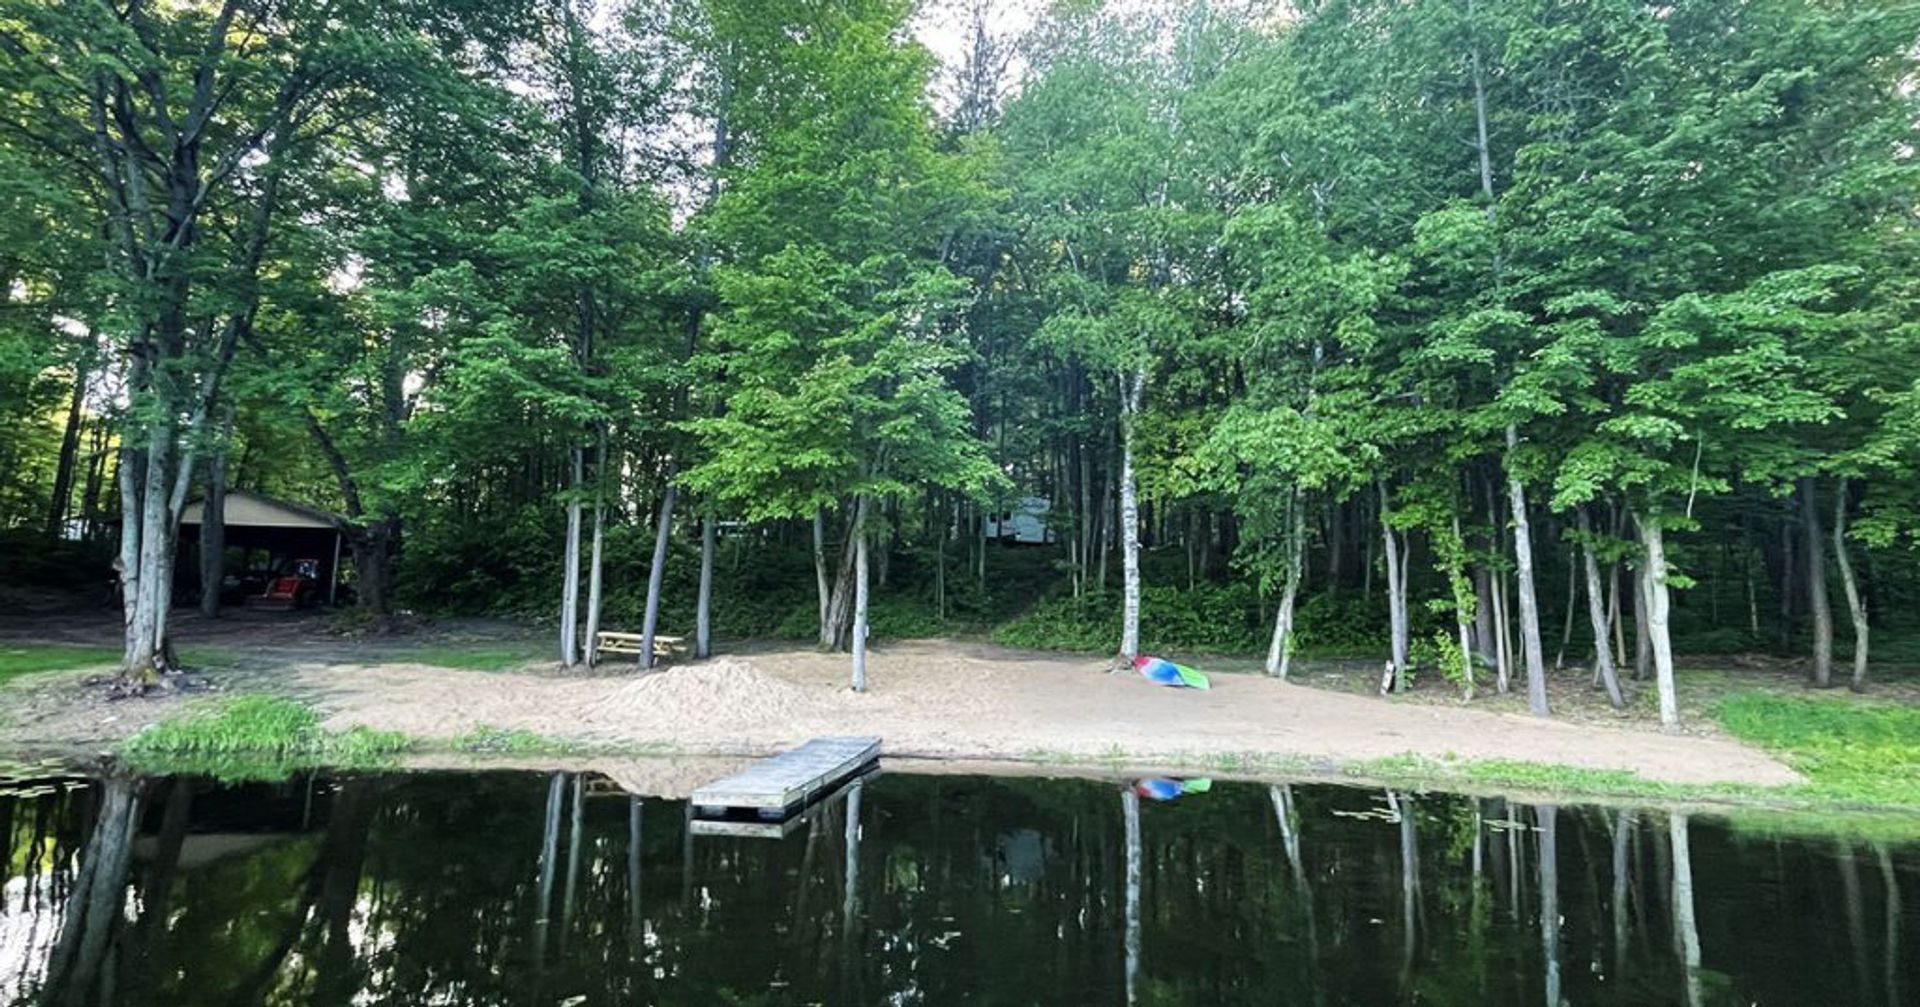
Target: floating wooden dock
753, 827
773, 788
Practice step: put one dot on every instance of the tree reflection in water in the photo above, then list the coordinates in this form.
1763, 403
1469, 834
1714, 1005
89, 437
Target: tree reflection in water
517, 889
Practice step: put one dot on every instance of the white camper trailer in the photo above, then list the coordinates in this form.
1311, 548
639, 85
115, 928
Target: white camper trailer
1025, 524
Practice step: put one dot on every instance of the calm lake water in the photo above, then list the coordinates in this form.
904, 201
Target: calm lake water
517, 888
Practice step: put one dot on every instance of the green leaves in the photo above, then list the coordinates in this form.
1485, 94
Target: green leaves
832, 343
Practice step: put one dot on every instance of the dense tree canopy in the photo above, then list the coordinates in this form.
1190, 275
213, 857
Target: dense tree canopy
1382, 314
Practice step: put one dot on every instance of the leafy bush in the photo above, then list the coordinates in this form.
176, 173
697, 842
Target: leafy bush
1090, 622
1439, 652
1209, 618
1347, 624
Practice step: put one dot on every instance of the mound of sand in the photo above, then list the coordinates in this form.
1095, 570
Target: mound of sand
727, 690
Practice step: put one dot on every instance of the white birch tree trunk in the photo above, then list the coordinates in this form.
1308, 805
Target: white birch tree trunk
1400, 643
594, 567
1132, 387
1280, 651
1530, 645
860, 595
1657, 605
570, 584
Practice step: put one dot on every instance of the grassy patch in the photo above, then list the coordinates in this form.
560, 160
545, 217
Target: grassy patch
486, 739
255, 737
468, 658
30, 658
1850, 749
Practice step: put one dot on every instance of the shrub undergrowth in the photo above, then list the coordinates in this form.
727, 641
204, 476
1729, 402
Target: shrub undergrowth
1206, 618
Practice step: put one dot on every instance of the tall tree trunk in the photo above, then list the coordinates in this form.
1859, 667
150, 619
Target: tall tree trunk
1502, 639
62, 496
1530, 644
657, 572
98, 455
979, 558
703, 606
1817, 605
1573, 594
1085, 524
820, 575
1597, 614
1642, 635
1109, 518
150, 596
940, 565
839, 626
570, 584
1856, 605
1483, 643
1655, 577
594, 563
1280, 651
859, 641
1401, 644
1787, 582
1336, 545
1132, 387
213, 524
373, 548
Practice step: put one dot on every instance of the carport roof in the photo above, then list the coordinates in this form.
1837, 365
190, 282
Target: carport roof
253, 510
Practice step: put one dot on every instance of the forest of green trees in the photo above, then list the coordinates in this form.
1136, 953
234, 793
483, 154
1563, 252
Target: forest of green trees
1463, 333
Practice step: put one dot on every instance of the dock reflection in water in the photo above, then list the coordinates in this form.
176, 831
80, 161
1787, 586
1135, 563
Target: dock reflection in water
517, 888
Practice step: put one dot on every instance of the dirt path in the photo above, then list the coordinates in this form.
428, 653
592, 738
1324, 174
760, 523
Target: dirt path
976, 702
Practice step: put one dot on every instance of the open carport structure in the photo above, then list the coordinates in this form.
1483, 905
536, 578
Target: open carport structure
287, 532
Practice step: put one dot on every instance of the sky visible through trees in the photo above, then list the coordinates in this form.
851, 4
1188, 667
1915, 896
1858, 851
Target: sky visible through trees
1480, 337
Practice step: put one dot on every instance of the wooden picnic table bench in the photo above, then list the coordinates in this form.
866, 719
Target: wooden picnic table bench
609, 642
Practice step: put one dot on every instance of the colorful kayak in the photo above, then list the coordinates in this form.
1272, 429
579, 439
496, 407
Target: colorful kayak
1160, 788
1165, 672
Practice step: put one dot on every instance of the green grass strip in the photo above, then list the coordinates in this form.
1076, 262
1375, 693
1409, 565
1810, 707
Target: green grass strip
255, 737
